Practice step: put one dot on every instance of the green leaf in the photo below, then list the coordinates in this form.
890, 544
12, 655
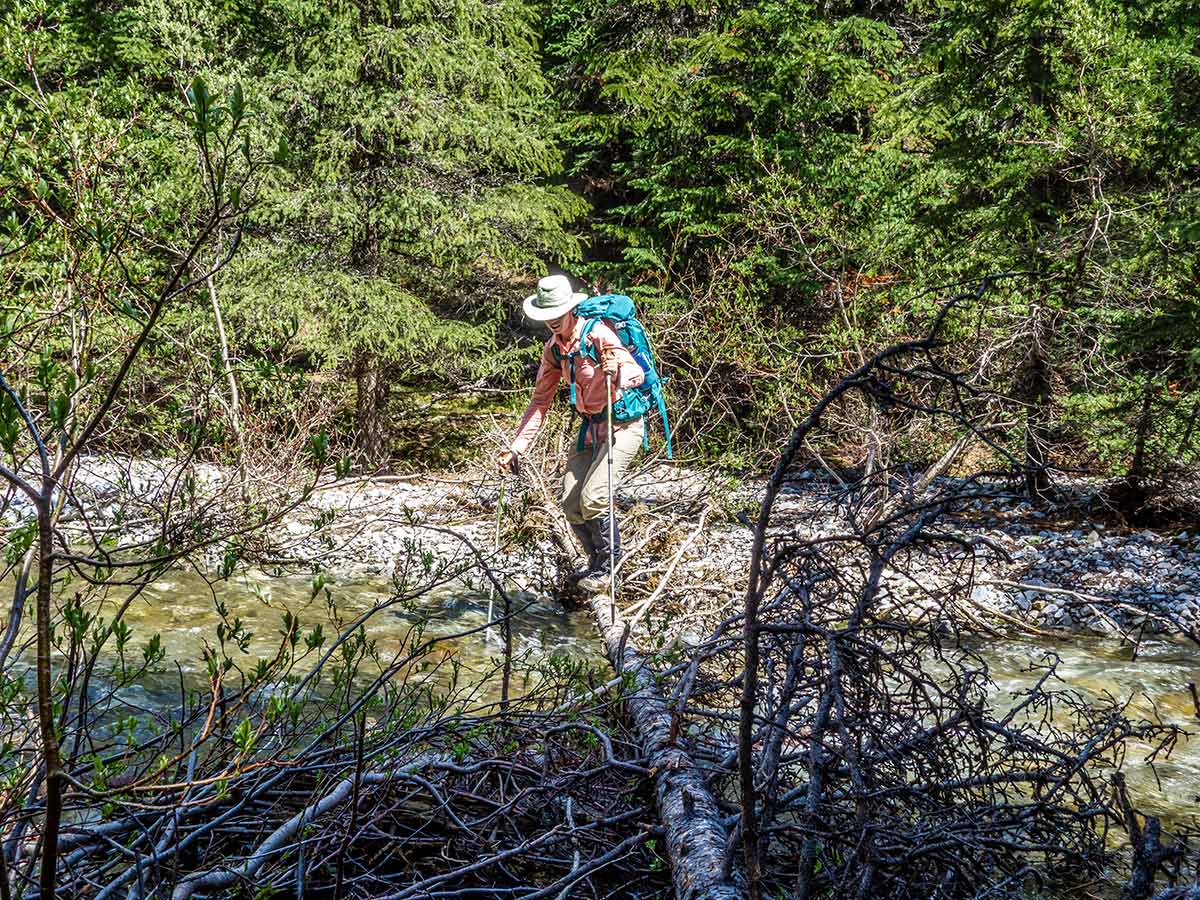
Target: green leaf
200, 102
237, 105
243, 737
318, 447
10, 423
60, 408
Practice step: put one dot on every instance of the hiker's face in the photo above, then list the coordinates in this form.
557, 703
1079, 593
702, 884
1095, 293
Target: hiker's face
563, 325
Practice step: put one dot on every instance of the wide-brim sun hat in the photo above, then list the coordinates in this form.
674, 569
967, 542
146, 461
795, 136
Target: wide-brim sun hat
552, 299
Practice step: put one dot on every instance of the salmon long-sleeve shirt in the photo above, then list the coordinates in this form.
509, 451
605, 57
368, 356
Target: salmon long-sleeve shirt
589, 379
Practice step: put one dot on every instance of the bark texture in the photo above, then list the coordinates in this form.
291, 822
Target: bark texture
695, 839
370, 407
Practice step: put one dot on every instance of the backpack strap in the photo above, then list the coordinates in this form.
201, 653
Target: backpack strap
558, 357
585, 347
662, 411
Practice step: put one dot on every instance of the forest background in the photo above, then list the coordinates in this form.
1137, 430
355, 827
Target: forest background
782, 186
293, 235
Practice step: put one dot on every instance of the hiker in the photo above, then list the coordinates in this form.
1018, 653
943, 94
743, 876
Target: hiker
585, 487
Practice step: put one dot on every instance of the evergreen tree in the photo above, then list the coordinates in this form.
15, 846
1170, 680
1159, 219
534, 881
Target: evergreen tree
424, 160
419, 195
1064, 140
772, 164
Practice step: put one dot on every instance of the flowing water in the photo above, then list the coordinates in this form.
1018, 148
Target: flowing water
182, 608
1155, 680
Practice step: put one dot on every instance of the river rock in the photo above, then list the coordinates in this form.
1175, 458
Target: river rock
985, 595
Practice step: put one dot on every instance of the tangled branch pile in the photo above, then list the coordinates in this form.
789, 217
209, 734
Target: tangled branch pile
873, 758
834, 736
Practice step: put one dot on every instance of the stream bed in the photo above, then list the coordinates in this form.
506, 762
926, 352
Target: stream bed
182, 607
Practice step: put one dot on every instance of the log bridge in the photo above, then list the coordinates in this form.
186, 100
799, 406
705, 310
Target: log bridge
696, 842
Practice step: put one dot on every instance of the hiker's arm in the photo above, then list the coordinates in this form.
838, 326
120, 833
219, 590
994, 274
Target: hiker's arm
626, 372
548, 376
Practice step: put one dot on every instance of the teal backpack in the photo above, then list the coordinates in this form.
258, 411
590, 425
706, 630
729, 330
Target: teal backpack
619, 313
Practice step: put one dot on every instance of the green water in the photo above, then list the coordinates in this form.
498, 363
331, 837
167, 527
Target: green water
182, 609
1155, 681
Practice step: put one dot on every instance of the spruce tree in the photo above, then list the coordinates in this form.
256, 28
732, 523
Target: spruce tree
798, 175
419, 194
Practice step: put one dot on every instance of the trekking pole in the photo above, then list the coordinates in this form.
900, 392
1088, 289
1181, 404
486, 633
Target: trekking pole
496, 551
612, 511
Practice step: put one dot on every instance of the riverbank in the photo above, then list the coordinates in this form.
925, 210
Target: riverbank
689, 538
1048, 568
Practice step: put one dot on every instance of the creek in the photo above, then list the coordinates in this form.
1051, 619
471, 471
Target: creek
182, 606
1155, 682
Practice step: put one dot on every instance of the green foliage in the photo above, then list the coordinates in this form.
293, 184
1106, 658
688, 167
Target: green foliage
244, 737
419, 175
19, 540
788, 179
777, 183
108, 183
417, 180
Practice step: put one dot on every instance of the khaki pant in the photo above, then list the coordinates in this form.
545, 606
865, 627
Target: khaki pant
585, 483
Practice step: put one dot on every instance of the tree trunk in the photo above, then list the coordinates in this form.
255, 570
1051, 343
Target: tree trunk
45, 699
370, 408
369, 371
695, 839
1132, 493
1037, 397
235, 403
1137, 467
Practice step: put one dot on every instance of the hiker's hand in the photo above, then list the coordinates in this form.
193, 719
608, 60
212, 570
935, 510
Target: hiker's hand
611, 367
504, 461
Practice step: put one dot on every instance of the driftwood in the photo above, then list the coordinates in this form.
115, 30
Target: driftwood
279, 838
695, 839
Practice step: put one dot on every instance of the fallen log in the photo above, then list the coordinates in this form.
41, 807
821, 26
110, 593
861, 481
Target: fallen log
695, 840
285, 834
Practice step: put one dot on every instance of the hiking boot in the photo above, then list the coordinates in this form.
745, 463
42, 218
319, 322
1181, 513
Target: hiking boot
599, 578
583, 534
